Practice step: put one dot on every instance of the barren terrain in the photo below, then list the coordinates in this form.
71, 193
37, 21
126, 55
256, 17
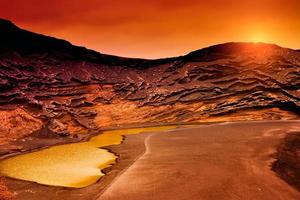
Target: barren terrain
52, 92
223, 161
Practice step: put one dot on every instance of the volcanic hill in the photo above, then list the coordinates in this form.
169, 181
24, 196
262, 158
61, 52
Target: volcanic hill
49, 86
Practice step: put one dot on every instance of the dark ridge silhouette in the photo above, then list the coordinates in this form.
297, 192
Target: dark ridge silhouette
14, 39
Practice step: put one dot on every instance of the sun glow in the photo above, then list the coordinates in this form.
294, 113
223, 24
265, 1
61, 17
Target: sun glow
259, 37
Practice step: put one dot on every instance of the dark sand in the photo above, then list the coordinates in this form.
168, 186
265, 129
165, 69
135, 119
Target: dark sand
215, 162
287, 164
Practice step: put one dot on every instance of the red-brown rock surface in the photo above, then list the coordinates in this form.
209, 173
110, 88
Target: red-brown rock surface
73, 89
5, 194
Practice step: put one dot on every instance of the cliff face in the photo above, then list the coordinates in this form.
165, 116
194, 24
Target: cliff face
72, 90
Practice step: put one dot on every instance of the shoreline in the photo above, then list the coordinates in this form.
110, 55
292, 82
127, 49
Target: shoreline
127, 152
38, 138
131, 148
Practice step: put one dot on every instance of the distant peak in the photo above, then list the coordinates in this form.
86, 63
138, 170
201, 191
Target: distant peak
227, 50
233, 46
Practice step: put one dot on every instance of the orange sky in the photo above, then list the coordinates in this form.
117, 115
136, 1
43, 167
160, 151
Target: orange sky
152, 29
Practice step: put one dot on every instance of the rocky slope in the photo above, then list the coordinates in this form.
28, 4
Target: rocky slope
49, 83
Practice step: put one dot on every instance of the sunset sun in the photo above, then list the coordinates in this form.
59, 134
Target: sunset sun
258, 37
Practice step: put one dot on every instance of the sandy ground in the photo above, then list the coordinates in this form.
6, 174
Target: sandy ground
217, 161
214, 162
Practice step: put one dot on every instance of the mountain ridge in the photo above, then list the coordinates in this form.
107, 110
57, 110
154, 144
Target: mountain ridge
8, 29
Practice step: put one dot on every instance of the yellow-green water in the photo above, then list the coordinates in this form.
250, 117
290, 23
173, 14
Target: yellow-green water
70, 165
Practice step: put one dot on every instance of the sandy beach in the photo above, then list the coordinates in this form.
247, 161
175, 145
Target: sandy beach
226, 161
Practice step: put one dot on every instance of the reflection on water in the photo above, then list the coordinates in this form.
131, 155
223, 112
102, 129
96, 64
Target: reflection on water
70, 165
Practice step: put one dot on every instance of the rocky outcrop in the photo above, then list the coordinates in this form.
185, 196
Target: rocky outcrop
287, 164
5, 194
16, 124
58, 127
